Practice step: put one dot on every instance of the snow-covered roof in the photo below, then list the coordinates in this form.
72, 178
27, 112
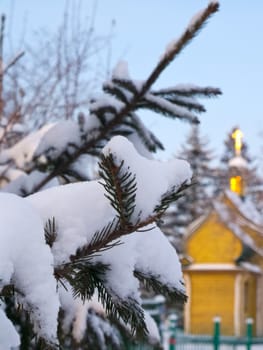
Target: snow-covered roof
196, 224
232, 220
246, 208
239, 216
238, 162
251, 267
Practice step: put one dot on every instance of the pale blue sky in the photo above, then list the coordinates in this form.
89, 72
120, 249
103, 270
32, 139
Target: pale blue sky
228, 53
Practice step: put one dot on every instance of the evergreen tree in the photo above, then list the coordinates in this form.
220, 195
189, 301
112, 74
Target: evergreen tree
196, 198
90, 239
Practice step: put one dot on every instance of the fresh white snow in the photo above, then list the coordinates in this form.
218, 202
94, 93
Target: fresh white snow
238, 162
26, 261
246, 208
9, 337
23, 151
153, 177
80, 209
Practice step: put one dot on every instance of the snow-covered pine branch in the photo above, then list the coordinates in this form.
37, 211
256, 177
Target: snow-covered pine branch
111, 114
93, 242
80, 210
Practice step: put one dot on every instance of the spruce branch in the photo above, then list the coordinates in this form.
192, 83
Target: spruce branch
115, 91
148, 138
184, 101
103, 132
102, 240
126, 84
82, 272
153, 282
188, 104
168, 108
170, 197
191, 31
188, 91
86, 275
122, 89
132, 313
120, 186
101, 111
109, 236
85, 278
82, 262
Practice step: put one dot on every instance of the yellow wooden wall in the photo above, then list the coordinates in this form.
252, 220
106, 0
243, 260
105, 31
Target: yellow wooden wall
211, 294
213, 243
230, 294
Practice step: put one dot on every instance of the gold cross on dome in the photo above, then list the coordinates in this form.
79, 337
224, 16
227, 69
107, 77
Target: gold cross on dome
237, 136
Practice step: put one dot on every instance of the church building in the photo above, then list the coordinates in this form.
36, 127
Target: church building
224, 251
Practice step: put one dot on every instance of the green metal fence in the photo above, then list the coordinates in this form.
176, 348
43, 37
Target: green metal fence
177, 340
181, 341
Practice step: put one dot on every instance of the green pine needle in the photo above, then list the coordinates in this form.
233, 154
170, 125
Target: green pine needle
153, 282
120, 186
170, 197
50, 232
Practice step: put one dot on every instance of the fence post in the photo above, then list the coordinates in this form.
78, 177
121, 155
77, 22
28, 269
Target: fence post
217, 321
172, 329
249, 323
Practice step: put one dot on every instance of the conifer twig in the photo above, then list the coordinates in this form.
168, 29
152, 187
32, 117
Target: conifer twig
190, 32
183, 40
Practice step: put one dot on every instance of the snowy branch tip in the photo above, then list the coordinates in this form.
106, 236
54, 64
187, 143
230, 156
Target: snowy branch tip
195, 24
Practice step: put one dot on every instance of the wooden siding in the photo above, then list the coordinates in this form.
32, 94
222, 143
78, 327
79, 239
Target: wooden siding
212, 294
213, 243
